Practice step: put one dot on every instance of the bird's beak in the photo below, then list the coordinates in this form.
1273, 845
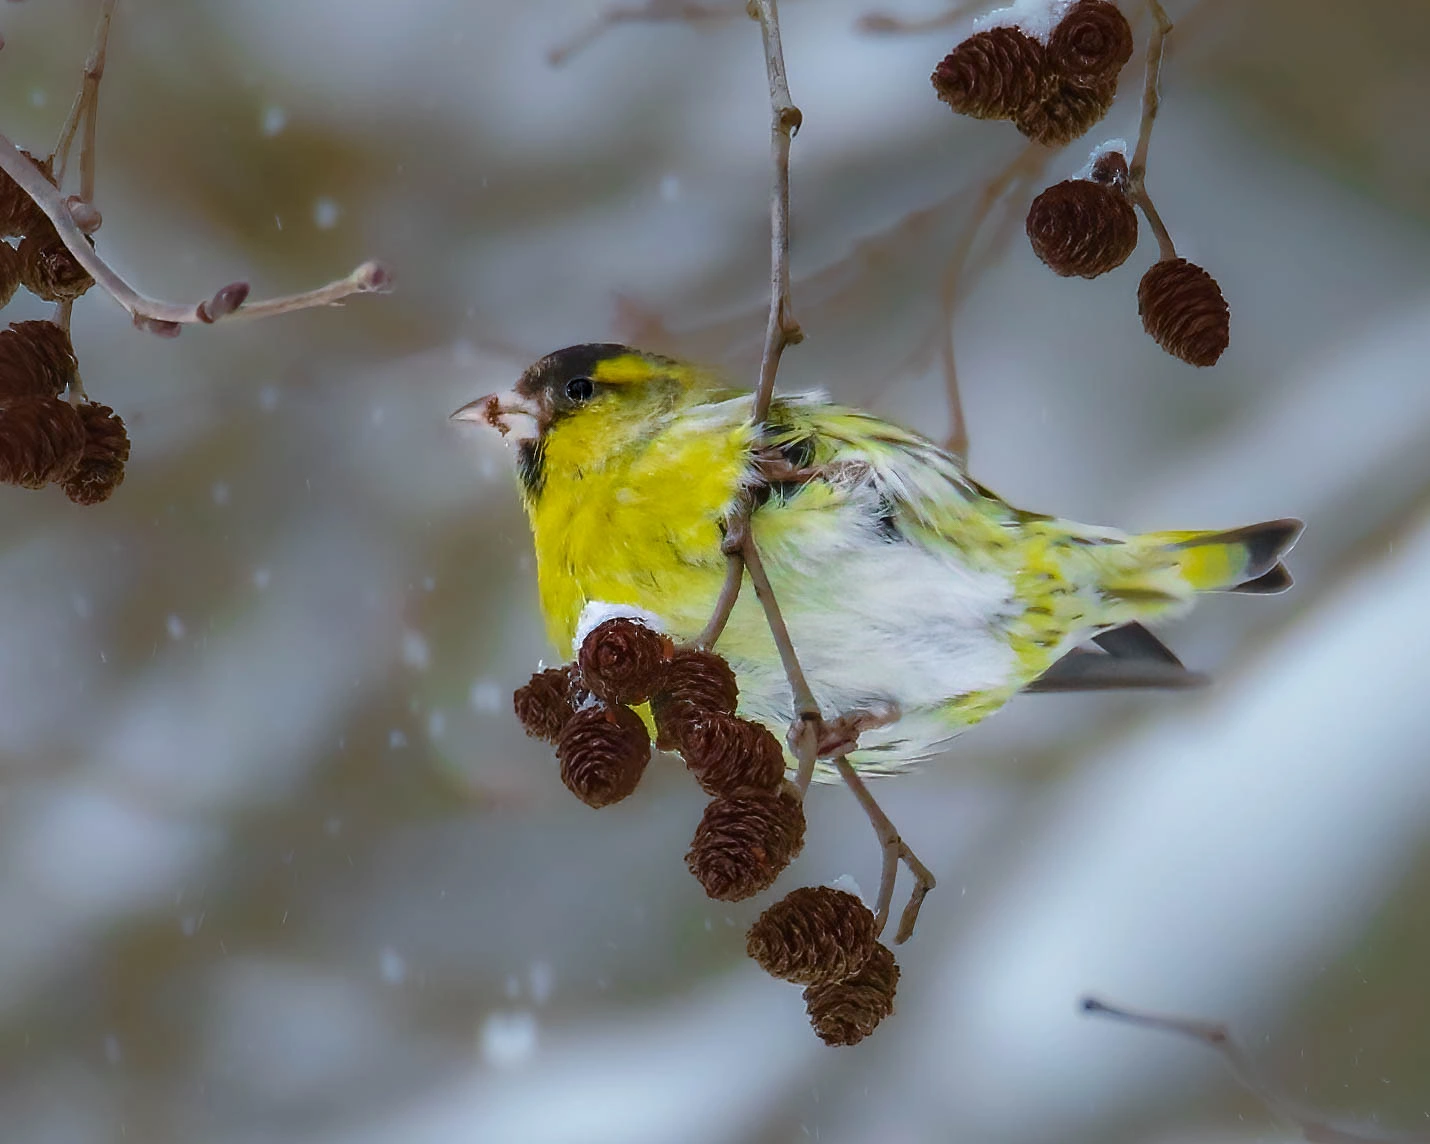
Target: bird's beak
507, 413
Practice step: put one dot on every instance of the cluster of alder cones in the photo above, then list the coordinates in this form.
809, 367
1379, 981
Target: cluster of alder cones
1055, 93
44, 438
1086, 227
753, 826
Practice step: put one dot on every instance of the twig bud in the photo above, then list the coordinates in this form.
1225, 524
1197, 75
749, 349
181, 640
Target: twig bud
813, 935
603, 753
1182, 307
993, 74
224, 303
547, 701
106, 449
622, 661
1083, 228
745, 840
726, 753
845, 1012
41, 440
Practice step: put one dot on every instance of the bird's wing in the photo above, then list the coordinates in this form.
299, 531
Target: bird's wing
911, 484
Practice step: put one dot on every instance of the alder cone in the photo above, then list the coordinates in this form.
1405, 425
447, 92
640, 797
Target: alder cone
1091, 43
548, 699
1081, 228
603, 753
41, 440
19, 215
1066, 111
1182, 307
101, 466
9, 273
36, 359
813, 935
49, 270
622, 661
695, 682
991, 75
745, 840
845, 1012
727, 754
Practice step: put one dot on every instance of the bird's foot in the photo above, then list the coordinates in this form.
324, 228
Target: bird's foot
841, 735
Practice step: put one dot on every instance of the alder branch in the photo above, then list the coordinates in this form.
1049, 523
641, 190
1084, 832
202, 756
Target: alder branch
1151, 101
168, 318
651, 12
1313, 1126
895, 850
781, 330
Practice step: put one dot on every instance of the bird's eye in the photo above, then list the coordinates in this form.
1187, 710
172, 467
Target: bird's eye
580, 389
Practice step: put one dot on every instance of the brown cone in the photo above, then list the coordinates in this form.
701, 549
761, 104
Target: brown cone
726, 753
1091, 44
106, 448
845, 1012
1065, 112
745, 840
813, 935
547, 701
19, 215
36, 358
1082, 228
9, 273
622, 661
992, 74
41, 440
1182, 307
603, 753
48, 269
694, 681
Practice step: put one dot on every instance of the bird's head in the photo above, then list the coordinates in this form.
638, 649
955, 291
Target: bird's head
577, 408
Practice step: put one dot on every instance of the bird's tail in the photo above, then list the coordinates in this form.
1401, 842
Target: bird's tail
1238, 560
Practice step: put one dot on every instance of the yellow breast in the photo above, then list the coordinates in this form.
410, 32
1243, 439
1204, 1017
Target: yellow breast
638, 527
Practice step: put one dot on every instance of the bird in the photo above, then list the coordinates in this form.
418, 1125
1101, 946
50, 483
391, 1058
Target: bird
917, 600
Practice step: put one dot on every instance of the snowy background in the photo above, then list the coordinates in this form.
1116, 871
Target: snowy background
277, 865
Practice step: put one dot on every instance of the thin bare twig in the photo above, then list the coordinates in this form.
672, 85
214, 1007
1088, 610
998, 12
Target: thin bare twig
1031, 159
781, 330
888, 24
1151, 100
1217, 1036
84, 107
895, 850
651, 12
167, 318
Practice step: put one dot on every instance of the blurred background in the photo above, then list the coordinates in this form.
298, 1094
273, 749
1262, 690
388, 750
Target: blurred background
277, 865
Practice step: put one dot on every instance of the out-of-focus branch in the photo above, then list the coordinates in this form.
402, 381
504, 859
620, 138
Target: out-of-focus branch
1151, 100
1031, 160
168, 318
888, 24
651, 12
1313, 1126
